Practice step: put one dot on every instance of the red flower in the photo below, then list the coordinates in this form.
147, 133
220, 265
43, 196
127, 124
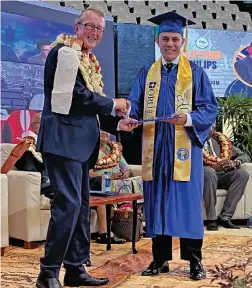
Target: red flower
91, 56
97, 67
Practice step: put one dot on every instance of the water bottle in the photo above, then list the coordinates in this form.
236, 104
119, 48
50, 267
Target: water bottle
106, 182
250, 220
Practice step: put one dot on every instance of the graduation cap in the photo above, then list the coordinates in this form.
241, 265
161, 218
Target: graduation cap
172, 22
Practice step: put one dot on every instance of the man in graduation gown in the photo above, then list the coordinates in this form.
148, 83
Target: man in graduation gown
172, 149
69, 141
243, 67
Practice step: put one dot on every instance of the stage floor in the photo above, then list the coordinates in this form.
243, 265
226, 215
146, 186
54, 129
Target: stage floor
19, 267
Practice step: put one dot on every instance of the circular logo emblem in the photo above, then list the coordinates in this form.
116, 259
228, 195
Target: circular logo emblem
182, 154
201, 43
241, 65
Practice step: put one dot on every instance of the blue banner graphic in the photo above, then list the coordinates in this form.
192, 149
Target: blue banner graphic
217, 53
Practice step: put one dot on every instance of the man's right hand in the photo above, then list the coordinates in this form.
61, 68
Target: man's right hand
123, 112
121, 104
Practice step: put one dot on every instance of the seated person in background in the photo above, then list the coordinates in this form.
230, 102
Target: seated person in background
222, 161
32, 160
101, 236
110, 159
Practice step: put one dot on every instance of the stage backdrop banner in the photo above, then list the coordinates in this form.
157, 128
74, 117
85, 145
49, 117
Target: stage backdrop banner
24, 47
217, 53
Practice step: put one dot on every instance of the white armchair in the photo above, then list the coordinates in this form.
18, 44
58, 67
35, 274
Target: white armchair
29, 212
4, 213
244, 205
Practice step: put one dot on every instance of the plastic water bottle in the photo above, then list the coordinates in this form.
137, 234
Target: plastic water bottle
106, 182
250, 220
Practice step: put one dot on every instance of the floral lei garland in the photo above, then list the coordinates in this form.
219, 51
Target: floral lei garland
89, 65
111, 160
226, 150
36, 154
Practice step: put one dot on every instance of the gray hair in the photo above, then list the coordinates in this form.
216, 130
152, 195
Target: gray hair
83, 12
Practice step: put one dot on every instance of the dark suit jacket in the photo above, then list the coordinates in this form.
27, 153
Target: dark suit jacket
243, 68
76, 135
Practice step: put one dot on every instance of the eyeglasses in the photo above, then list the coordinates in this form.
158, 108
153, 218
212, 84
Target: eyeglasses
90, 27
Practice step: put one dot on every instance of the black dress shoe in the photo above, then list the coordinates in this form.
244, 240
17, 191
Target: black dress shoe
44, 282
197, 271
153, 269
165, 267
228, 224
212, 225
88, 263
83, 279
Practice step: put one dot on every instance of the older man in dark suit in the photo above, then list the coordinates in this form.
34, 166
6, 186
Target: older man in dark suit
223, 174
69, 140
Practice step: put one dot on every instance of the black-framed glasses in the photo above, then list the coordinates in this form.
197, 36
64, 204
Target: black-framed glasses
90, 26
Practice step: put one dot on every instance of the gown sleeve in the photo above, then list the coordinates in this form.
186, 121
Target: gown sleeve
136, 96
204, 109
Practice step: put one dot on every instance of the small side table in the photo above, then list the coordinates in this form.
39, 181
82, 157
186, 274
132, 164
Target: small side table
108, 201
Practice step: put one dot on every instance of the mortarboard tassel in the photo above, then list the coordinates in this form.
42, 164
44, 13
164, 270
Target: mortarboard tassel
186, 37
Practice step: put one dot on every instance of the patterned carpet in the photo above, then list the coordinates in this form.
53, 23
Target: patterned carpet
20, 267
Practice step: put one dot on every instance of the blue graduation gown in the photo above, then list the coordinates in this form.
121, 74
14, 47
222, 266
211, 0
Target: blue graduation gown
175, 208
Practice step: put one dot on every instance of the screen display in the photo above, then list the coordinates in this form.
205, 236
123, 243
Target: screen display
24, 48
225, 57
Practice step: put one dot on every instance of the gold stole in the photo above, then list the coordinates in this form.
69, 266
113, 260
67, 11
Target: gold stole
183, 103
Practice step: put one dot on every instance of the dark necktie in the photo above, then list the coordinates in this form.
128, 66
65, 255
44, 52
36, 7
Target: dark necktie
209, 147
169, 66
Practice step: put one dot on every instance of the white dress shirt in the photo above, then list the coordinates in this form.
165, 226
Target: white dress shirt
211, 145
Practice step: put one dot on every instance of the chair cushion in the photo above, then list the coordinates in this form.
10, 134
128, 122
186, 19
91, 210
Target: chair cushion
6, 149
221, 192
45, 203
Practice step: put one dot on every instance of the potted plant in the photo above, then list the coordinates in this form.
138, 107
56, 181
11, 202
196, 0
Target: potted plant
233, 276
236, 112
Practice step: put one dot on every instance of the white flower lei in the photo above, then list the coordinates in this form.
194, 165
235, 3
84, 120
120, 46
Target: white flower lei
89, 65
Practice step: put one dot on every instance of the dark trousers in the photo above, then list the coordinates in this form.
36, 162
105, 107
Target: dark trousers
234, 181
68, 236
190, 249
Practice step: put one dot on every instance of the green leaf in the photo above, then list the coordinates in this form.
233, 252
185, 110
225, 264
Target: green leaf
239, 283
236, 113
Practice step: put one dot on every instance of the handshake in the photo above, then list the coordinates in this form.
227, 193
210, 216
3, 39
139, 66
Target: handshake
121, 106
